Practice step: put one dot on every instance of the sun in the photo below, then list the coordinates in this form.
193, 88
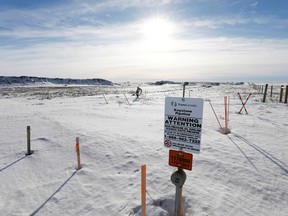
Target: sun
157, 32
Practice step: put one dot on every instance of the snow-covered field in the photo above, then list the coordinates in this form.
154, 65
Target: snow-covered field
242, 173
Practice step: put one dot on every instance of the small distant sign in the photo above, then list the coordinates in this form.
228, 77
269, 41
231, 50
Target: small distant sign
183, 123
180, 159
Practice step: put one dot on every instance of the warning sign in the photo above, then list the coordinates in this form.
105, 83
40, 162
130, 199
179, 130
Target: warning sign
183, 123
180, 159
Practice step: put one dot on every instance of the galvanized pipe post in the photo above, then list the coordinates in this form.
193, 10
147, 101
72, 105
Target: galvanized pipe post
178, 178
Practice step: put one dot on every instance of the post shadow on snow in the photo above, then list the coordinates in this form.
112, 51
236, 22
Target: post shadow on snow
242, 152
167, 204
9, 165
276, 161
49, 198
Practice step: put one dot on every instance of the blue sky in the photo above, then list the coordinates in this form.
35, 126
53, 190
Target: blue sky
145, 40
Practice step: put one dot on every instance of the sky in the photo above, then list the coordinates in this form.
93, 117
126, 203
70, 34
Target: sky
145, 40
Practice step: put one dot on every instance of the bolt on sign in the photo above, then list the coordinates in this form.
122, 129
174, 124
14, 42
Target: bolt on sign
183, 123
180, 159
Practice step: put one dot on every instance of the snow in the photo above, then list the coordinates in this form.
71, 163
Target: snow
241, 173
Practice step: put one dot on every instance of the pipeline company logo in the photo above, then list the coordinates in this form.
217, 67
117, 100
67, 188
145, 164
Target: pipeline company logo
174, 104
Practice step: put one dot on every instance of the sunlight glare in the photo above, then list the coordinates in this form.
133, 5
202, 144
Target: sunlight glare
157, 32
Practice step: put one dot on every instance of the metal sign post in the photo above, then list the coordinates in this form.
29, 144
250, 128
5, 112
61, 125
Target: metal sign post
182, 135
178, 178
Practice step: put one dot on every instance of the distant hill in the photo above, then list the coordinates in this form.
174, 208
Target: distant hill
27, 80
162, 82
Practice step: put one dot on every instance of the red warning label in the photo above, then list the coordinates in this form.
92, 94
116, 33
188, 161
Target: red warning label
180, 159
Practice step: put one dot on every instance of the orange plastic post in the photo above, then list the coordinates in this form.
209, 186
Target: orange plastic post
215, 114
143, 189
228, 109
78, 153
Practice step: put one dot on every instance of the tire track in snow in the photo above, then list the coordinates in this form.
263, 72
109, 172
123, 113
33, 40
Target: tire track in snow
243, 152
273, 159
277, 124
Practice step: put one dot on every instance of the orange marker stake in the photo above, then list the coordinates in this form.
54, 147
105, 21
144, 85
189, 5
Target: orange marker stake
143, 189
78, 153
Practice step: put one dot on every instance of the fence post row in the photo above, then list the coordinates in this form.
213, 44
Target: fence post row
283, 92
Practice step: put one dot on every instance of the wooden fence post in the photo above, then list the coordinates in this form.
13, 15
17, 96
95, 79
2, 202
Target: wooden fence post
265, 93
271, 91
281, 93
28, 141
286, 95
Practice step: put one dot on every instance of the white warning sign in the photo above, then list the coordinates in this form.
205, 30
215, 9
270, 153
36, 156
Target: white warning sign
183, 123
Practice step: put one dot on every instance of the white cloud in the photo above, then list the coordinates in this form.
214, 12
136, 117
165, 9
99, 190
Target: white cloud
222, 21
189, 59
117, 51
254, 4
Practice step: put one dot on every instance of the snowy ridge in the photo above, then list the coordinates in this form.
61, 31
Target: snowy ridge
26, 80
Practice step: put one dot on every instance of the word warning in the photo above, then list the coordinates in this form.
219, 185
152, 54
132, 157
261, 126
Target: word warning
183, 123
